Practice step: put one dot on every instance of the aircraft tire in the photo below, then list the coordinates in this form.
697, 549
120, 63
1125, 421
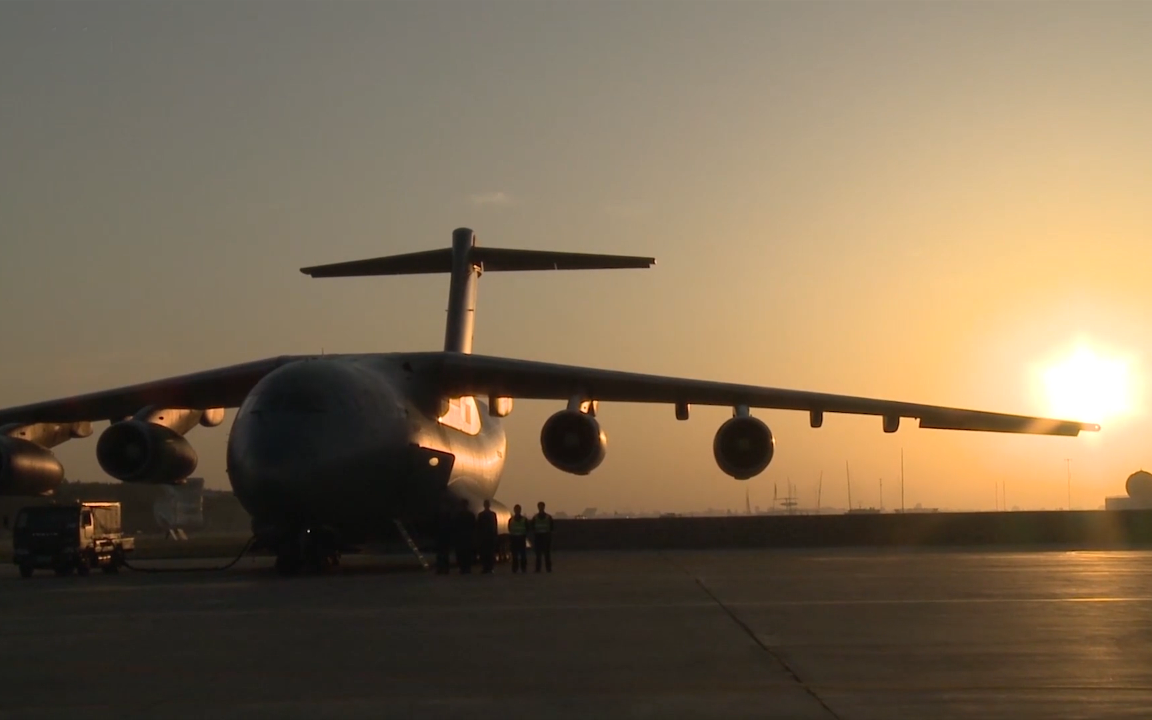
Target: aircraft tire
288, 562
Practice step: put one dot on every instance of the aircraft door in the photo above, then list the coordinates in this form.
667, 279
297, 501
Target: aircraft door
86, 527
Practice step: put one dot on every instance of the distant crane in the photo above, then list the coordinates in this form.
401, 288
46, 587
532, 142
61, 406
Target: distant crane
901, 480
789, 499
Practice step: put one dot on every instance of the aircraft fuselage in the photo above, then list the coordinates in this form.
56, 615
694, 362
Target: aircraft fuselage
350, 442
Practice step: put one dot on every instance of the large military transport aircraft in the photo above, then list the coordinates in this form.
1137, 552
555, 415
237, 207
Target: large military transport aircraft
326, 451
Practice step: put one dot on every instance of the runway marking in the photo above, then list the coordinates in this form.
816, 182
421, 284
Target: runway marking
767, 648
756, 639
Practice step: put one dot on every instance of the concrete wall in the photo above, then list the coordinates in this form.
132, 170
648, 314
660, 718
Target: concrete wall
1088, 529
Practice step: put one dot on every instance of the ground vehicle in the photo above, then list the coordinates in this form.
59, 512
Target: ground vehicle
67, 537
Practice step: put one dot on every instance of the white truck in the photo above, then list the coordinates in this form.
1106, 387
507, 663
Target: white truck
66, 537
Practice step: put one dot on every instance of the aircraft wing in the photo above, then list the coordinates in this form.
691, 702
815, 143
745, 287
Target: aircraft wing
461, 374
223, 387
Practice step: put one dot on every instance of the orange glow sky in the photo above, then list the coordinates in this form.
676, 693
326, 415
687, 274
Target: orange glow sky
933, 202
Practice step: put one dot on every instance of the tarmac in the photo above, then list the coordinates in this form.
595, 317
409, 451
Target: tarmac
875, 633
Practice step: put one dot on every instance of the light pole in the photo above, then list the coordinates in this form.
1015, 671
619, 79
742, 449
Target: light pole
1068, 463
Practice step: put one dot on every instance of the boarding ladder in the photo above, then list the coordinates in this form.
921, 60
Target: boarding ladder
411, 543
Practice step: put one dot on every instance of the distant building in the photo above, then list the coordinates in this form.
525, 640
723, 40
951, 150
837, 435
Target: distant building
918, 508
1139, 489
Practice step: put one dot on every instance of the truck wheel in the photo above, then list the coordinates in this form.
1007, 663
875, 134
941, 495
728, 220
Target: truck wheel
82, 566
26, 570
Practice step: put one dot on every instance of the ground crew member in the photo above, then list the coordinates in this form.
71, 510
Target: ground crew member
518, 540
444, 535
542, 537
486, 532
464, 536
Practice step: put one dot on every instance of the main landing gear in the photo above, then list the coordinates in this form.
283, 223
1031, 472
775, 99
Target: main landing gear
312, 549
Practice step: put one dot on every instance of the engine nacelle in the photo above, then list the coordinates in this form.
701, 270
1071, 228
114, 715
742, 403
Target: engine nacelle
743, 447
212, 417
27, 468
573, 442
142, 452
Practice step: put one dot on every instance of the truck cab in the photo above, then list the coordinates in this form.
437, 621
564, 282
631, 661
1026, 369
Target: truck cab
67, 537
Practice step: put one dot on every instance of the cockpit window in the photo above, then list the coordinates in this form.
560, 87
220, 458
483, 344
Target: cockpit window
462, 415
301, 399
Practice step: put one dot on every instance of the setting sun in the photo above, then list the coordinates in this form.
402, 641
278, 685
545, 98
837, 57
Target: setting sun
1085, 386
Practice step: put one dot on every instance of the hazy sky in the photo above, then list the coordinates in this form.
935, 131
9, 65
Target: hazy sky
931, 202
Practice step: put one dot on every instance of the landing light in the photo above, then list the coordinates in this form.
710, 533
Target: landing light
433, 461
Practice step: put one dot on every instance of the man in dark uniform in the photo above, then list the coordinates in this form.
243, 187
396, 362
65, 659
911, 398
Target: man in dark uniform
486, 532
518, 540
542, 537
445, 526
465, 538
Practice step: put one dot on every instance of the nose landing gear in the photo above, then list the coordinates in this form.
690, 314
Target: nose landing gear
312, 549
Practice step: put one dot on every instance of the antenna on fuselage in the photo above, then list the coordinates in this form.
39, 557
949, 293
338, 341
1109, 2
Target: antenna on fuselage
466, 261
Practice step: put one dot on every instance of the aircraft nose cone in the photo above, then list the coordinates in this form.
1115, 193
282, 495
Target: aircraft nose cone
302, 428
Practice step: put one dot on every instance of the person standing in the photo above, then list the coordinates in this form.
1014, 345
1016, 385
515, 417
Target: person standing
445, 529
465, 538
486, 534
518, 540
542, 537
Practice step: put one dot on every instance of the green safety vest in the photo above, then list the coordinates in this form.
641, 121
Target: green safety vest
518, 525
543, 523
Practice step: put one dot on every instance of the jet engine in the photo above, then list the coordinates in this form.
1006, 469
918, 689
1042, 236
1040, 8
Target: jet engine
743, 447
573, 442
27, 468
138, 451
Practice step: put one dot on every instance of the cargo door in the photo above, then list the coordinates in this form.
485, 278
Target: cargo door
107, 520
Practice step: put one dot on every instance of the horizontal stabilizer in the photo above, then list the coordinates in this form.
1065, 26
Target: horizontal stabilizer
465, 261
487, 259
417, 263
504, 259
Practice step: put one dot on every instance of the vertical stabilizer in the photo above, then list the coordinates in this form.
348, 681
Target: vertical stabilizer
461, 293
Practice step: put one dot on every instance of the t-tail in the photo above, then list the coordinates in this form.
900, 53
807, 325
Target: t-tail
465, 261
